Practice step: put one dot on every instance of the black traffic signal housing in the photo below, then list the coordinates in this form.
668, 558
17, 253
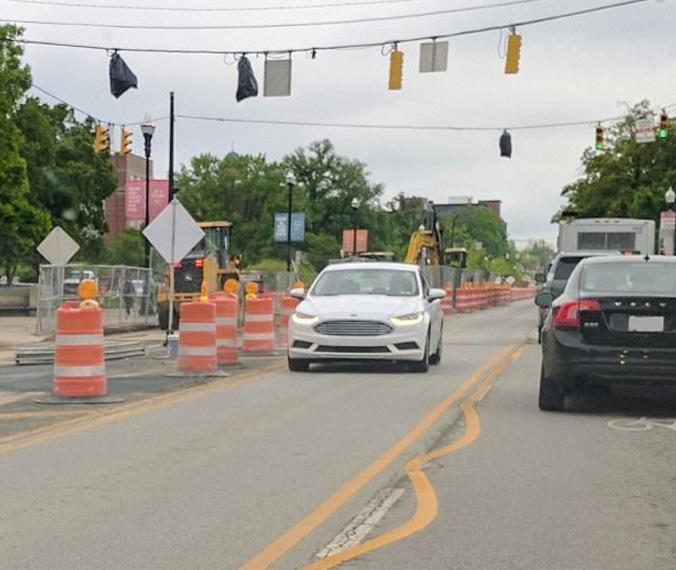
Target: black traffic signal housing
505, 144
125, 141
600, 143
102, 139
663, 133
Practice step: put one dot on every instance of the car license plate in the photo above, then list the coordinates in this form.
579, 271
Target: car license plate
646, 324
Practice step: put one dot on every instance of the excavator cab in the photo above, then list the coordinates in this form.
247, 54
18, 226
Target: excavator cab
455, 257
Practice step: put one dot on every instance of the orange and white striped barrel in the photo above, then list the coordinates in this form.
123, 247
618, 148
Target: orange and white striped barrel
79, 359
288, 305
197, 338
226, 328
464, 300
259, 326
447, 302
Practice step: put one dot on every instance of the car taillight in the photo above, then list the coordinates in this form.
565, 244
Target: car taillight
178, 265
199, 263
568, 314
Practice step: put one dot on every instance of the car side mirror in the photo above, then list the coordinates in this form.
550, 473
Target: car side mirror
540, 278
544, 299
298, 293
435, 295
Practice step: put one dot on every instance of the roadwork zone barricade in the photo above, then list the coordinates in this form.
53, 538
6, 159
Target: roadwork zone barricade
259, 326
197, 338
226, 329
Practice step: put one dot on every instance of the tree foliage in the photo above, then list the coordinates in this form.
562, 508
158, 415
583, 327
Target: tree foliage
626, 178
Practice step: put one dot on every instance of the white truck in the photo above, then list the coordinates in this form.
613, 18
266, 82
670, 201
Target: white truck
607, 234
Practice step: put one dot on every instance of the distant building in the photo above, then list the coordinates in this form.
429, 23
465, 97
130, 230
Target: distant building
127, 167
457, 202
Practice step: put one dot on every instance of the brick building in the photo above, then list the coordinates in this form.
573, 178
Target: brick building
127, 167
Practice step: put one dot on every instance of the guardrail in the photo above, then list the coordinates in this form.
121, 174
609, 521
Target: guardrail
44, 353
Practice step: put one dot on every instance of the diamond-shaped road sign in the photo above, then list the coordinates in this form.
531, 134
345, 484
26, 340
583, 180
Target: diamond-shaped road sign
58, 247
173, 220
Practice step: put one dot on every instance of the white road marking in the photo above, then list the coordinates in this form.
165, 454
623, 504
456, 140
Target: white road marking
361, 525
641, 424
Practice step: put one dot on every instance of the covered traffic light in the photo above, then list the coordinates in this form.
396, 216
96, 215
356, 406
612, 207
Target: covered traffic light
505, 144
396, 69
102, 139
513, 53
600, 144
664, 125
125, 141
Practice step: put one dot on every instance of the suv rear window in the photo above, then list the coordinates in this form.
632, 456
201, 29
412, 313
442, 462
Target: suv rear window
641, 278
565, 266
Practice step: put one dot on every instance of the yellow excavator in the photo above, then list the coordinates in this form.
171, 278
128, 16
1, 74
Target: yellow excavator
207, 262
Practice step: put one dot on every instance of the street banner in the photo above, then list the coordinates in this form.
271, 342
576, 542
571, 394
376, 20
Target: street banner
362, 240
297, 227
668, 220
645, 130
135, 199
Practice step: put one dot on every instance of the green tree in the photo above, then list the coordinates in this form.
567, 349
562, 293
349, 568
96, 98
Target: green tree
21, 224
626, 178
128, 249
476, 224
67, 178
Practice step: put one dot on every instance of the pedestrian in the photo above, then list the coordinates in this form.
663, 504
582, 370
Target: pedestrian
128, 296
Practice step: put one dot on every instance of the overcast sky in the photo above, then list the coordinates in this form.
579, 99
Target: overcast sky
585, 68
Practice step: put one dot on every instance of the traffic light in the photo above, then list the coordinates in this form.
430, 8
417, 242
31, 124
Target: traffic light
505, 144
125, 141
513, 53
396, 69
102, 139
664, 125
600, 144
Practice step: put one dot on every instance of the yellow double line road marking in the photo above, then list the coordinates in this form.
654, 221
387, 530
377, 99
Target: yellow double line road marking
426, 498
291, 537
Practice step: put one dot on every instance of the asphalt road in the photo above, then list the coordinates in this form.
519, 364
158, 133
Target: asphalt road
453, 469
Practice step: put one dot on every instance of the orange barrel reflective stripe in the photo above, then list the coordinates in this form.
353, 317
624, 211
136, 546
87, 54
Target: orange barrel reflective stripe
226, 328
259, 326
197, 338
79, 359
289, 304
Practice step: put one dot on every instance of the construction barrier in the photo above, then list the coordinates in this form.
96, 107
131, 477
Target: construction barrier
520, 293
197, 338
447, 302
79, 362
226, 328
288, 305
259, 326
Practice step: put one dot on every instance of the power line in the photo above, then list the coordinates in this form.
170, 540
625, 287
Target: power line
314, 49
263, 8
344, 22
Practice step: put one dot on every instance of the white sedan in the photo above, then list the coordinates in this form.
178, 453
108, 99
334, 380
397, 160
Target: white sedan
367, 311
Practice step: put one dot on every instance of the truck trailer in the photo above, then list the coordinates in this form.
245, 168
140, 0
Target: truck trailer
607, 234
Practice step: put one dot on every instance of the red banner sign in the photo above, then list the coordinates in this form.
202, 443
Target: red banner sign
135, 199
362, 240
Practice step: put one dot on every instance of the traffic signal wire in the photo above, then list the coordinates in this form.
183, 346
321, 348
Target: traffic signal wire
269, 8
311, 49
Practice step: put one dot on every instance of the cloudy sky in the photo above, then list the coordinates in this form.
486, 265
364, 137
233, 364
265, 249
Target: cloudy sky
585, 68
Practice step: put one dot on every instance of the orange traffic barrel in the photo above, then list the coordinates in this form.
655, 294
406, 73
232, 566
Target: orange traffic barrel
447, 301
197, 338
79, 359
226, 328
259, 326
288, 305
464, 300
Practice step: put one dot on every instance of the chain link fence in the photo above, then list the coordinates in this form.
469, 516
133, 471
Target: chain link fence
126, 294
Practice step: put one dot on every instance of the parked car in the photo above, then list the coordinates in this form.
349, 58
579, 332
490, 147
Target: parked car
367, 311
614, 324
72, 281
557, 276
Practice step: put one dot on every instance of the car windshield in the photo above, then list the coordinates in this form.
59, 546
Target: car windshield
565, 267
367, 282
640, 278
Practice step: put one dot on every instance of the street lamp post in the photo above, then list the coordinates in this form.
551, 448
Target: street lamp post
148, 130
290, 183
355, 208
670, 198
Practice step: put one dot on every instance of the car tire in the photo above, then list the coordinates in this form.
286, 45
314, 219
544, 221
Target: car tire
424, 364
298, 364
551, 395
435, 358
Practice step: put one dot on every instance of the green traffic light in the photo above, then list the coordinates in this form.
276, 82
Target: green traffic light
600, 146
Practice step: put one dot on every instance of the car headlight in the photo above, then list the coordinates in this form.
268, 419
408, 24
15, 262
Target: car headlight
410, 319
304, 318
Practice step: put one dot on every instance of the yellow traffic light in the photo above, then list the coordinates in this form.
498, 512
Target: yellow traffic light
396, 69
102, 139
513, 53
125, 141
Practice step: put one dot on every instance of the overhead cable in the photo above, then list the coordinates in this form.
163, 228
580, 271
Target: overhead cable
314, 49
265, 8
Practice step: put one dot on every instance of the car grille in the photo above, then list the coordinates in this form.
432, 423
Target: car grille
354, 349
353, 328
